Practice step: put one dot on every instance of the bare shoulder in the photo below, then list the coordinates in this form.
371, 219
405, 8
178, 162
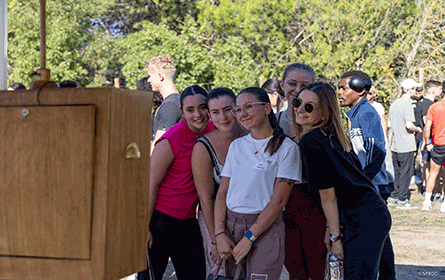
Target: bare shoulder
212, 135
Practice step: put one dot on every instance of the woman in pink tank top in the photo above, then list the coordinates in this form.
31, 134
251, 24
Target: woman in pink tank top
173, 228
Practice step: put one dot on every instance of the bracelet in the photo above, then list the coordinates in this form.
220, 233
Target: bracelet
222, 232
213, 243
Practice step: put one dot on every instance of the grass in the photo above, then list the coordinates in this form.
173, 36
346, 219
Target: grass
417, 236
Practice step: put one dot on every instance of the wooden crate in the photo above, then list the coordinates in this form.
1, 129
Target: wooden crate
72, 205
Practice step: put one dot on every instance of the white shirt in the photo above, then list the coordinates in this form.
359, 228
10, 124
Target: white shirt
378, 107
252, 176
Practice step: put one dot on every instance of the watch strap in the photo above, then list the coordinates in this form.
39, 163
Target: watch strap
334, 238
249, 235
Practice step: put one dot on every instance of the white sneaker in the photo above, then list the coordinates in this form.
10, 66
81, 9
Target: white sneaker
427, 206
442, 208
417, 180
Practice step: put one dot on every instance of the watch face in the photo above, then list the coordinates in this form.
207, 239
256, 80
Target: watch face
248, 234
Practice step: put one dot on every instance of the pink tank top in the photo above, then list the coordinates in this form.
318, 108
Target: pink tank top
177, 195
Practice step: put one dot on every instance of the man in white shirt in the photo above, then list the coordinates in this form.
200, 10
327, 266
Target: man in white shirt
378, 107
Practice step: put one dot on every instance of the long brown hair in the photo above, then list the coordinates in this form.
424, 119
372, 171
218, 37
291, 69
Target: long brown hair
331, 122
278, 134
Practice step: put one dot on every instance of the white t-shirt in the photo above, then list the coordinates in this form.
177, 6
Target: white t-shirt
252, 176
378, 107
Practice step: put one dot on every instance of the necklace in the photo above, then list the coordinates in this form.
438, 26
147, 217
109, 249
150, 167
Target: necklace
257, 150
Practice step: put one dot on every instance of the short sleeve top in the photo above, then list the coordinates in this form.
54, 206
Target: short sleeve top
177, 195
378, 107
329, 166
403, 140
436, 114
252, 172
168, 114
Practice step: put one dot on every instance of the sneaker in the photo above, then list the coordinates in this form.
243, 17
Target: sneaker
435, 197
393, 201
421, 191
426, 206
417, 180
442, 208
405, 204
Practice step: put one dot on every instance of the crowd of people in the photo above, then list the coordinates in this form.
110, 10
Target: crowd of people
271, 176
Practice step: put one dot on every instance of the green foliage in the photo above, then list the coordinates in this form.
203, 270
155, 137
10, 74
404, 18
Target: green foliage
339, 36
229, 43
264, 26
226, 64
67, 36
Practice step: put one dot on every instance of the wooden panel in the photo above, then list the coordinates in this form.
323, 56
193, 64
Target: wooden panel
127, 227
46, 181
119, 228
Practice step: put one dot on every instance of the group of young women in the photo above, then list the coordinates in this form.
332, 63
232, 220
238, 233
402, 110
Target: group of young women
244, 167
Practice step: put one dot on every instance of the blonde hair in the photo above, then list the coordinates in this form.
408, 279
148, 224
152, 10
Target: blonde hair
331, 122
164, 63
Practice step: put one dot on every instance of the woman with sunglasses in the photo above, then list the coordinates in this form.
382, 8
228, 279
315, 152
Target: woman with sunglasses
208, 158
305, 254
258, 175
348, 197
173, 228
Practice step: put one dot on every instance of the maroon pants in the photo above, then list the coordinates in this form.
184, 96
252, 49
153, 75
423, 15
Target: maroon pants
266, 258
305, 254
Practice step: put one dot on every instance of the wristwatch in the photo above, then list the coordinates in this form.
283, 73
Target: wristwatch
334, 238
249, 235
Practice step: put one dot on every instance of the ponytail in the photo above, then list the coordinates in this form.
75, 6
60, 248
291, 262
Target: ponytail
278, 134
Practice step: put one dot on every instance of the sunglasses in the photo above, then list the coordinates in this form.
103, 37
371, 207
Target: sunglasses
308, 107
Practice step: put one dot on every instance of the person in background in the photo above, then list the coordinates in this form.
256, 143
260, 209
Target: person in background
173, 228
416, 100
161, 71
348, 197
276, 94
67, 84
433, 90
258, 175
305, 254
403, 144
378, 107
295, 77
368, 142
16, 86
434, 142
144, 85
208, 158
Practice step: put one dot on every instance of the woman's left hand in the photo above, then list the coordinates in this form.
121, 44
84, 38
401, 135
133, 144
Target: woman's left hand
215, 254
337, 249
241, 249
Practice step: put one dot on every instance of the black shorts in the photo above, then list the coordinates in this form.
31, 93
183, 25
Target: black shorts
438, 154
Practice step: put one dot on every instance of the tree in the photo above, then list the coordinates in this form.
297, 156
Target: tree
338, 36
262, 26
224, 65
68, 32
426, 48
